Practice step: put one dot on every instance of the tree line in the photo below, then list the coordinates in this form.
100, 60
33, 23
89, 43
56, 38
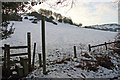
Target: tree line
58, 16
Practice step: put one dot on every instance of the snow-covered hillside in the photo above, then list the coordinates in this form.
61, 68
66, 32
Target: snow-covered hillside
60, 40
57, 36
105, 27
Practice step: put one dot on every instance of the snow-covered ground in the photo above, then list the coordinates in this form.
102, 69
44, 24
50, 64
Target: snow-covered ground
60, 40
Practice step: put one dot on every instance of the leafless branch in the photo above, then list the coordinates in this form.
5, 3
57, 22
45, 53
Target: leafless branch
58, 4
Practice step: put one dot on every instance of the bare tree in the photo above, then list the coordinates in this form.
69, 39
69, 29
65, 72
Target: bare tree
53, 4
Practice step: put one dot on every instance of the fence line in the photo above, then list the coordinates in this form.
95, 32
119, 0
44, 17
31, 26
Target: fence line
89, 46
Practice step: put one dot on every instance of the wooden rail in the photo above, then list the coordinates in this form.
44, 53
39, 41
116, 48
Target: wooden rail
16, 47
89, 46
19, 54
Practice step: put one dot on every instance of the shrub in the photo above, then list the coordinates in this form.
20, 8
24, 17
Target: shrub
37, 15
80, 24
60, 20
5, 32
54, 23
67, 20
34, 21
31, 19
104, 61
11, 17
51, 18
87, 55
89, 65
25, 17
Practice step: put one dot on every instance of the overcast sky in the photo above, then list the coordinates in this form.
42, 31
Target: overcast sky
88, 13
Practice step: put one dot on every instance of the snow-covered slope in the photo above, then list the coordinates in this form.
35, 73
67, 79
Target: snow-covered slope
60, 40
60, 35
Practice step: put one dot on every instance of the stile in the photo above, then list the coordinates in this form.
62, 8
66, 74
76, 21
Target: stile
25, 62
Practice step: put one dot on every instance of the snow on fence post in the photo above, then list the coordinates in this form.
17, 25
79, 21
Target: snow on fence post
75, 56
43, 44
34, 55
106, 45
29, 49
40, 61
89, 47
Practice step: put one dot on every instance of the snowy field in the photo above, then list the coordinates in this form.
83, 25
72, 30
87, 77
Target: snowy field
60, 40
57, 36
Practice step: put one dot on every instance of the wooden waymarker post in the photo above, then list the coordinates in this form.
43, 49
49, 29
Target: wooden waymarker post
75, 56
43, 44
29, 49
34, 54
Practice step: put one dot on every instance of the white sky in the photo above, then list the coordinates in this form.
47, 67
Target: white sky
88, 13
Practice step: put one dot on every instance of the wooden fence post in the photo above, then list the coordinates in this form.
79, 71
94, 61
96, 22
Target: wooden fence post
106, 45
5, 56
34, 54
40, 61
89, 47
75, 56
43, 44
8, 59
29, 49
